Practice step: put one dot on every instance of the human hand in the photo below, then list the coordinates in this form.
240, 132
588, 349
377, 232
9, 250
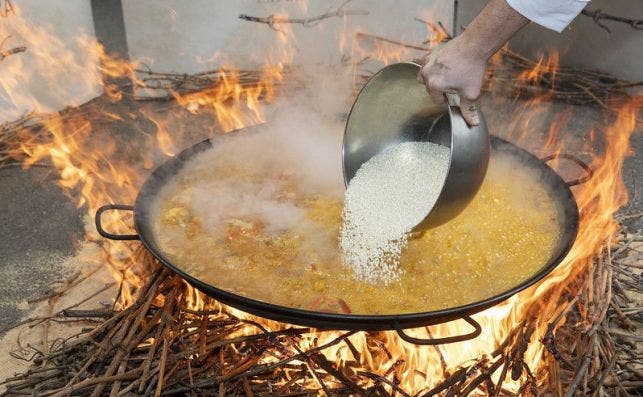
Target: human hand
455, 67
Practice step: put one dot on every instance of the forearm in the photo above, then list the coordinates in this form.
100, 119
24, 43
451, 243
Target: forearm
459, 65
491, 29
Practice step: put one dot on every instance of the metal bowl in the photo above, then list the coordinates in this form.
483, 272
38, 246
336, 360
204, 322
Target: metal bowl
393, 108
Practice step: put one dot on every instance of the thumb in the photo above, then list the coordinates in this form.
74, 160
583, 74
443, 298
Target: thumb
469, 111
420, 77
422, 62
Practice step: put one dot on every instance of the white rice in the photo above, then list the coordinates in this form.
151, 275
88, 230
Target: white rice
389, 195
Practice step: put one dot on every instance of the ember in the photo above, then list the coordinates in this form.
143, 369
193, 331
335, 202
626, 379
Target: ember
570, 333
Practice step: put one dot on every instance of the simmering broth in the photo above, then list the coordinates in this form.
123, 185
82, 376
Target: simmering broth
257, 226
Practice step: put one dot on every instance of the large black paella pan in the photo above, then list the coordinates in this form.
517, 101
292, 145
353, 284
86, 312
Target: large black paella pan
163, 174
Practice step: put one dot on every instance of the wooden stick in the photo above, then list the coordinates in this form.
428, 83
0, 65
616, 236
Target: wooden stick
598, 16
273, 20
6, 53
390, 41
131, 375
162, 364
580, 374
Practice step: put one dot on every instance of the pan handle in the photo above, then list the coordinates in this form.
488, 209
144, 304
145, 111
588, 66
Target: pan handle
477, 330
577, 161
99, 226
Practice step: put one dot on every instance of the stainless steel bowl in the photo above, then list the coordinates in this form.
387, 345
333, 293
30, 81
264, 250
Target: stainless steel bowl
393, 108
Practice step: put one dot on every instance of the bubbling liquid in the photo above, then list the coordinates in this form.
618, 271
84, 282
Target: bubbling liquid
257, 228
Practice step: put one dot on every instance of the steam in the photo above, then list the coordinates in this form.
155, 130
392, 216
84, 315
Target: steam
222, 200
301, 145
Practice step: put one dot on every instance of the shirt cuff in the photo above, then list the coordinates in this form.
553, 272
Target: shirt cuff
552, 14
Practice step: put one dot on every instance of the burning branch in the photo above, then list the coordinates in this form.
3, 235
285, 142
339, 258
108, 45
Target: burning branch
6, 53
598, 16
439, 30
182, 83
273, 20
362, 35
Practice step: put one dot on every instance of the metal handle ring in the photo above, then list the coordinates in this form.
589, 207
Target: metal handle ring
477, 330
111, 236
577, 161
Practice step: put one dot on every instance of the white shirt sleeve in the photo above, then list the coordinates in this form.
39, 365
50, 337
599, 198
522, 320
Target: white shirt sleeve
552, 14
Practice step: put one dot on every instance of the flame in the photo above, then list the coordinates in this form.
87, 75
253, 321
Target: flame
436, 33
93, 171
544, 70
367, 47
234, 103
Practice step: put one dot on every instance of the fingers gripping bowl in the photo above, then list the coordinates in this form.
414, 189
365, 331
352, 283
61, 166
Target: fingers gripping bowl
246, 252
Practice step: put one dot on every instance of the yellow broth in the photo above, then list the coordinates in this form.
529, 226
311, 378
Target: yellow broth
506, 234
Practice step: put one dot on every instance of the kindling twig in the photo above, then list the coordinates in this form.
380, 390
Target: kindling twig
598, 16
437, 28
12, 51
273, 20
587, 359
359, 35
5, 53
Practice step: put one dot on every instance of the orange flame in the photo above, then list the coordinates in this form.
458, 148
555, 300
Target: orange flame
234, 103
544, 68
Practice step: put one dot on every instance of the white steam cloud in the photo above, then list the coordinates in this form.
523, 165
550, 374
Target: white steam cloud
301, 141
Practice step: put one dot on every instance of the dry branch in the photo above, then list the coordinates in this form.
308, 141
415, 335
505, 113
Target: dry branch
12, 51
273, 20
361, 35
171, 85
599, 16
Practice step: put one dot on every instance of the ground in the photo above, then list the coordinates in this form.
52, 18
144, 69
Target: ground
41, 226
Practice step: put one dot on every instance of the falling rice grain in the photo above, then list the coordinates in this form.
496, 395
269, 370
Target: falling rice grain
389, 195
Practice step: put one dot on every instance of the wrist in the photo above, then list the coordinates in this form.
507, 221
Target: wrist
476, 46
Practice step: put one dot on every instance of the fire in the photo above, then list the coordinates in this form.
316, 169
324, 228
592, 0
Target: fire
162, 136
20, 80
545, 68
436, 33
235, 103
91, 171
366, 47
6, 9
